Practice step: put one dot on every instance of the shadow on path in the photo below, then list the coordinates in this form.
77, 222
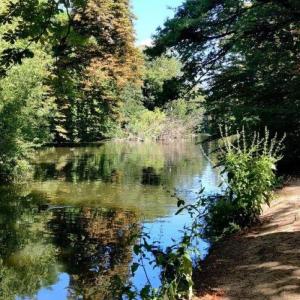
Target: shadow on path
263, 264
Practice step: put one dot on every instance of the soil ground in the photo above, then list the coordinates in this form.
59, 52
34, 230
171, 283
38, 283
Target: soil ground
261, 264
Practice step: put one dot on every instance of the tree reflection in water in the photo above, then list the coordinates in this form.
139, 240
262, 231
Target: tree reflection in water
27, 256
94, 247
79, 214
39, 241
150, 177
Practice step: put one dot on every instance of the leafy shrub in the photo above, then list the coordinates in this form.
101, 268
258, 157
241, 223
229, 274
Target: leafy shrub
161, 81
147, 125
25, 113
184, 117
251, 179
178, 109
185, 110
176, 267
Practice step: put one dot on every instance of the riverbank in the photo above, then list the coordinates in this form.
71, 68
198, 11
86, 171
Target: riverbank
263, 263
203, 137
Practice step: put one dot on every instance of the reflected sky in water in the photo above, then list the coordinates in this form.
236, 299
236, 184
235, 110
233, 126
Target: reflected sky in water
68, 233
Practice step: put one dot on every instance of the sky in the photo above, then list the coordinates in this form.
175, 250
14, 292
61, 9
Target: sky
151, 14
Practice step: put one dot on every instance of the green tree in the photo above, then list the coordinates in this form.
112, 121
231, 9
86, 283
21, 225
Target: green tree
247, 52
81, 54
25, 110
95, 61
161, 81
92, 42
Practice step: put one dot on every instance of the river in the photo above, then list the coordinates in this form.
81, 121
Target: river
65, 234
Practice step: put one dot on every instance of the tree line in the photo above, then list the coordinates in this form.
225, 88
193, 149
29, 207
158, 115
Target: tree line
246, 56
71, 72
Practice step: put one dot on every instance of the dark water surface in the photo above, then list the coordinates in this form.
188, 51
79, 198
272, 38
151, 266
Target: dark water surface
65, 235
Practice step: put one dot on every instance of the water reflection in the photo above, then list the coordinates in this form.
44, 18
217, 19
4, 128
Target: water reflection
67, 234
136, 177
27, 256
39, 242
120, 161
94, 246
150, 176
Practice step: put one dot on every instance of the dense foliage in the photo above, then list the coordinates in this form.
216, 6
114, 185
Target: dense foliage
25, 111
250, 181
71, 73
94, 58
247, 53
161, 81
94, 64
159, 109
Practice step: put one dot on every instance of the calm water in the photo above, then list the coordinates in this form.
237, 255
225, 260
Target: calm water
65, 235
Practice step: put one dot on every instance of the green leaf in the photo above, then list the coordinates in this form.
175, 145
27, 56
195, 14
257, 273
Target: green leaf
145, 292
180, 202
137, 249
134, 267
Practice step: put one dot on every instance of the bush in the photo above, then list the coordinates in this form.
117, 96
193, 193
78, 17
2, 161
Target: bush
25, 115
251, 179
161, 81
147, 125
188, 110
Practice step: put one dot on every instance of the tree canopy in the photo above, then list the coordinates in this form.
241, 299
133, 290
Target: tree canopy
246, 54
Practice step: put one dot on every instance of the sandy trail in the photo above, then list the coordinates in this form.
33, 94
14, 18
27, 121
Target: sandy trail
262, 264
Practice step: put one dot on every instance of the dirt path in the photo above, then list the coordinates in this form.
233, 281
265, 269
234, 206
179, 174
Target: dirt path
263, 264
